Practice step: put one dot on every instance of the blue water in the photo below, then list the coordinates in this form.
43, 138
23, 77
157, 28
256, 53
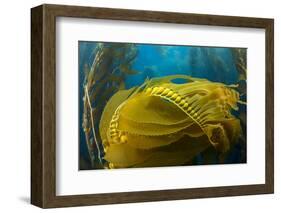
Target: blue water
216, 64
213, 63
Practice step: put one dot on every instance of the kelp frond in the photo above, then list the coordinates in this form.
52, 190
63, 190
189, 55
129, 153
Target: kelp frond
106, 75
162, 113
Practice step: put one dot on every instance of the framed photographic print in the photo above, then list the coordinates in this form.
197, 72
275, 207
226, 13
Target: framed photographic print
136, 106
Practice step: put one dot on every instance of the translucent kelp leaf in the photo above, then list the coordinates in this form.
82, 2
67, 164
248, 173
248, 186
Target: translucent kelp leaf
150, 129
148, 109
109, 110
123, 155
149, 142
177, 153
164, 123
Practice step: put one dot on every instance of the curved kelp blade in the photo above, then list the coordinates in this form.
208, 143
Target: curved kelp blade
154, 110
123, 155
164, 123
110, 108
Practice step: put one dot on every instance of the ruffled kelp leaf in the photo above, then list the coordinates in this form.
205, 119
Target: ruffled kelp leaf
217, 136
150, 129
124, 155
149, 142
152, 122
109, 110
150, 116
178, 153
148, 109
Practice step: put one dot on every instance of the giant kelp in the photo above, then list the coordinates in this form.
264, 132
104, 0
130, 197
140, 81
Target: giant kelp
216, 63
104, 77
240, 58
163, 123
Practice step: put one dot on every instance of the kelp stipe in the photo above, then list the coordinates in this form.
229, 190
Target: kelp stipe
106, 75
164, 123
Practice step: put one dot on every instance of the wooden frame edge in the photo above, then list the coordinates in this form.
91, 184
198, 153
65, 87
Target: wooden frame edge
36, 106
43, 105
269, 120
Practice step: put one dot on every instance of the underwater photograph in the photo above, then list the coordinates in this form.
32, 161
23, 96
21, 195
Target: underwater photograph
155, 105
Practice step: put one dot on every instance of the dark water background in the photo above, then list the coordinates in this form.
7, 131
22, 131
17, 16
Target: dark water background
214, 63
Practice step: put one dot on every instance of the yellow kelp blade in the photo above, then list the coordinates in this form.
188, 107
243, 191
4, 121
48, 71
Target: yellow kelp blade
217, 136
153, 141
123, 155
177, 154
109, 110
163, 123
150, 129
143, 108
